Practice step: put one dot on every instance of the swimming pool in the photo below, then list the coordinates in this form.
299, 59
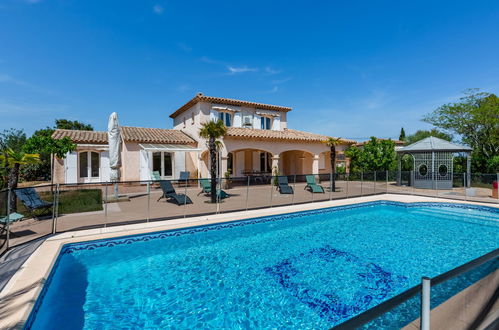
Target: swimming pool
311, 269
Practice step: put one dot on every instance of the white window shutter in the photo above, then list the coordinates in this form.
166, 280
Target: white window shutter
145, 171
71, 167
213, 115
257, 122
276, 124
238, 119
179, 163
105, 170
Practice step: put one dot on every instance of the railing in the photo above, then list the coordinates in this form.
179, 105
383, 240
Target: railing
407, 306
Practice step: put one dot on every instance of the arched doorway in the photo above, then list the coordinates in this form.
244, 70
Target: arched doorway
296, 162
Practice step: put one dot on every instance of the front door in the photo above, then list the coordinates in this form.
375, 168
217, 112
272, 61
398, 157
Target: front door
89, 166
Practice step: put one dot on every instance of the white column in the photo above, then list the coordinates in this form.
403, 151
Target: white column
315, 165
275, 163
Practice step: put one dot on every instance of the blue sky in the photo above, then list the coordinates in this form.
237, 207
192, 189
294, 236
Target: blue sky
348, 68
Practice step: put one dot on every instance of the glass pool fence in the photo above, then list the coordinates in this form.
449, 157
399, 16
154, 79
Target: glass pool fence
46, 209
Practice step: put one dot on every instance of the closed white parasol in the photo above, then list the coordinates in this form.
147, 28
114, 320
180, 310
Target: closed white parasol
114, 140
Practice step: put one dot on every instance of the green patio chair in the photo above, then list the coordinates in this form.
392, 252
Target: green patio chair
312, 185
283, 185
170, 194
155, 176
206, 189
13, 217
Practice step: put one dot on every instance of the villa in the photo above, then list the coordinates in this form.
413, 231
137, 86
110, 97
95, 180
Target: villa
258, 141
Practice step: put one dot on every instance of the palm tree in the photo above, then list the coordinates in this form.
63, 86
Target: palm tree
332, 143
15, 159
212, 131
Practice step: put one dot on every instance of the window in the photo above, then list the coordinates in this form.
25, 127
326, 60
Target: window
265, 162
162, 162
192, 118
83, 164
442, 170
226, 118
184, 122
89, 164
265, 122
423, 170
95, 160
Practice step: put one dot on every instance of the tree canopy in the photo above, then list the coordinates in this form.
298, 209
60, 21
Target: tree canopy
422, 134
72, 124
375, 155
475, 118
402, 134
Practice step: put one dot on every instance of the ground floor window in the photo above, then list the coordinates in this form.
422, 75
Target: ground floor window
89, 163
162, 162
265, 162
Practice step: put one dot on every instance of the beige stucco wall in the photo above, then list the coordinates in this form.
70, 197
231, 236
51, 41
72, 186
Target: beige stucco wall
130, 161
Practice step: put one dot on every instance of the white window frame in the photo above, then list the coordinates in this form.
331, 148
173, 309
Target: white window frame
264, 120
222, 115
162, 171
89, 177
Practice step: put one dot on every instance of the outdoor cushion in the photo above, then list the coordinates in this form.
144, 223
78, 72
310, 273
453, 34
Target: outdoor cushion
13, 217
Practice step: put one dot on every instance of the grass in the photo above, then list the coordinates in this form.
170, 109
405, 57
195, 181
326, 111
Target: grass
70, 201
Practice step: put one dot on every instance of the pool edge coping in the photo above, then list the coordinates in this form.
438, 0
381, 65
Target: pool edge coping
37, 268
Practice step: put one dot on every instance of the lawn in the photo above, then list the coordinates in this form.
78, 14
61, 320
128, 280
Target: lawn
70, 201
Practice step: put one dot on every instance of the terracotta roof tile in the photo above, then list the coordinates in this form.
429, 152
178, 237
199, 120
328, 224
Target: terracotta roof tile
220, 100
94, 137
155, 135
286, 134
132, 134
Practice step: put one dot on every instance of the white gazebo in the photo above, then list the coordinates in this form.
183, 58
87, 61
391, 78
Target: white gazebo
433, 163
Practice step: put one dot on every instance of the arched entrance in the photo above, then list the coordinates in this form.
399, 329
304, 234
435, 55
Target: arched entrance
297, 162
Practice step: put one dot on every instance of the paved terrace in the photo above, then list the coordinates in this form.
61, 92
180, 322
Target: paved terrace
143, 207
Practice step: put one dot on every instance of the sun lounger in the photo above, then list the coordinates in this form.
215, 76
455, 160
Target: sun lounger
206, 189
170, 194
283, 185
312, 185
30, 198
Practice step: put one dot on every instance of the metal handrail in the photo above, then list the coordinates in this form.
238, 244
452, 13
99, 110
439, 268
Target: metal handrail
386, 306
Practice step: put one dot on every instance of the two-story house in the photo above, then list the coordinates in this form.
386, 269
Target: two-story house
257, 141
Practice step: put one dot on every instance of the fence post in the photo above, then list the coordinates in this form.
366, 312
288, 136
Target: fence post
247, 192
465, 185
497, 180
148, 212
375, 182
347, 177
386, 191
271, 190
425, 303
55, 211
105, 205
294, 191
361, 183
330, 185
9, 192
185, 199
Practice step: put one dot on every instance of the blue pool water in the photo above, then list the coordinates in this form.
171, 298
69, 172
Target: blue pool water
305, 270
